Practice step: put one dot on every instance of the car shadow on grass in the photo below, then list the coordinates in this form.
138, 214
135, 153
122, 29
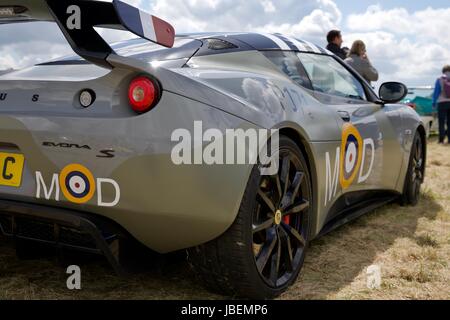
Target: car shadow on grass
166, 277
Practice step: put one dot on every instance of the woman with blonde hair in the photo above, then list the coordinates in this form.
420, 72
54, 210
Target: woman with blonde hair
358, 60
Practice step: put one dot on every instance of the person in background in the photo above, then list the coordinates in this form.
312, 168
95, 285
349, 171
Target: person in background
358, 60
441, 102
335, 41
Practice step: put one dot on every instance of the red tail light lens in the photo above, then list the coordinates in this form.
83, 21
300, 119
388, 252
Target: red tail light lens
142, 94
412, 105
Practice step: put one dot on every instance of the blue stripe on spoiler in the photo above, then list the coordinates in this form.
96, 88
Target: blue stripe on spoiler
144, 24
131, 16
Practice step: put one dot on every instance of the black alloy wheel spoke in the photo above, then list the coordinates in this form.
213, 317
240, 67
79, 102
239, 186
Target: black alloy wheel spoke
417, 162
419, 174
418, 154
294, 234
298, 207
266, 200
263, 226
275, 263
288, 257
278, 186
285, 169
292, 193
266, 253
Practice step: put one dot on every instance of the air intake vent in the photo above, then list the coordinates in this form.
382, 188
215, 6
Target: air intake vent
217, 44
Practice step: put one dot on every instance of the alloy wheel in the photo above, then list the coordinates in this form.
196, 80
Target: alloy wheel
280, 221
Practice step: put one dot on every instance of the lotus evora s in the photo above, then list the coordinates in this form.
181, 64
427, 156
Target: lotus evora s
86, 145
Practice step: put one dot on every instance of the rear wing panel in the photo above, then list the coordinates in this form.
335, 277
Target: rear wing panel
77, 19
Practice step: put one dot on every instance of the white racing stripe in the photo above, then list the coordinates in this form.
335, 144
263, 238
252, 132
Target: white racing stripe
283, 45
300, 46
147, 25
328, 52
313, 47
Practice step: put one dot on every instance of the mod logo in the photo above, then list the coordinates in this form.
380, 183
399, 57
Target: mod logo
349, 162
78, 185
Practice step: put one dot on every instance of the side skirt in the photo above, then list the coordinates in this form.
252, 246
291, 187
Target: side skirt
355, 211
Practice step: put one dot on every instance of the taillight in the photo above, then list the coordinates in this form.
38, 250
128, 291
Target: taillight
142, 94
412, 105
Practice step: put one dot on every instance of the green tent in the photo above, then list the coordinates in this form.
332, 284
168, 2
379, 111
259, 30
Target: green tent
424, 106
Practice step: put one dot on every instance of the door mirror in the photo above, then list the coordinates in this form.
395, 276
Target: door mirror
392, 92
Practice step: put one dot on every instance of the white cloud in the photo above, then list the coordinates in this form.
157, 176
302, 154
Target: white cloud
10, 55
268, 6
403, 45
407, 46
428, 24
235, 15
375, 18
309, 19
21, 45
313, 27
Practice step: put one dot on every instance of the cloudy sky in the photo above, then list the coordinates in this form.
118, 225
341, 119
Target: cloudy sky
407, 40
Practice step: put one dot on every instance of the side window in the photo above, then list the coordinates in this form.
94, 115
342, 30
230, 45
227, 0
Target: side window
288, 63
329, 77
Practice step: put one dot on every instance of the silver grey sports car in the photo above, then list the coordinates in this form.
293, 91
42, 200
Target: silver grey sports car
87, 145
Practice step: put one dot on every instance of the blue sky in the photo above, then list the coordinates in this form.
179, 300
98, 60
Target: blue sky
404, 38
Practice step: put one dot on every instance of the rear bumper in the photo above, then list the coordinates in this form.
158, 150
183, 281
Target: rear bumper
61, 228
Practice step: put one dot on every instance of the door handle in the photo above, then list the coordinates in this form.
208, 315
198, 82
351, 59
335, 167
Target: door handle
344, 116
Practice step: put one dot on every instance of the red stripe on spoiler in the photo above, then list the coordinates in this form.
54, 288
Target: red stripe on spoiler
165, 33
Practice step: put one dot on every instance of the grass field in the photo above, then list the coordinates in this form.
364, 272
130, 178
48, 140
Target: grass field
411, 245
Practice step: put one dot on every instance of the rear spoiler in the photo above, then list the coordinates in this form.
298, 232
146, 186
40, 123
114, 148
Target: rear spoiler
77, 19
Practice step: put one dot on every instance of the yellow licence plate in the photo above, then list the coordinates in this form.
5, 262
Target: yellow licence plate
11, 169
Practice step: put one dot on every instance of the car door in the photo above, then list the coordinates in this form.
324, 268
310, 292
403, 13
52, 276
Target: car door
368, 129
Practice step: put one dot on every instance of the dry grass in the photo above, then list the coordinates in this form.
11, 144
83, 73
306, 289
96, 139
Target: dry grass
411, 245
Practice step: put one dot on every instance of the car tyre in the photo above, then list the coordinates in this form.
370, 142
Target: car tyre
415, 173
262, 253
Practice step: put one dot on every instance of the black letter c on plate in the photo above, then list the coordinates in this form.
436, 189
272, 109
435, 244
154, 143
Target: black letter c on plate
7, 160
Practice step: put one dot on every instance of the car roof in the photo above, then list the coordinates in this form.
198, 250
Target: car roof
264, 41
244, 41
